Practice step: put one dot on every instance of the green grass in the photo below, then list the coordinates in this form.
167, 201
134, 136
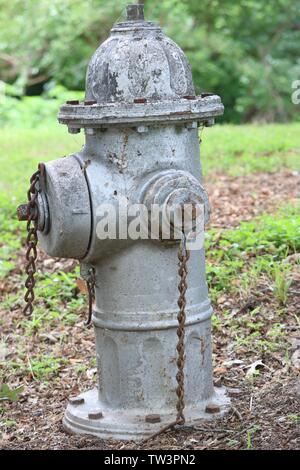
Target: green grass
39, 367
20, 152
263, 243
242, 259
240, 150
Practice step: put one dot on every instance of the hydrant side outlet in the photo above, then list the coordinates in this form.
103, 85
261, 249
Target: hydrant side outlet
141, 119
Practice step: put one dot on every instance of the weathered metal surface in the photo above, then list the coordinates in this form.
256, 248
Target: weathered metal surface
135, 12
76, 400
126, 113
140, 117
22, 212
69, 209
174, 188
138, 61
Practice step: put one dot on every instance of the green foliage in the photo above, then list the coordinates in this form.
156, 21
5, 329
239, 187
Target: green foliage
281, 282
7, 393
267, 234
250, 433
30, 111
266, 240
40, 367
246, 51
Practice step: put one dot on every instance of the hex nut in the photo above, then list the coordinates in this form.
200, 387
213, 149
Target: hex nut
212, 408
209, 122
140, 100
90, 131
73, 102
153, 418
74, 130
191, 125
76, 400
96, 414
189, 97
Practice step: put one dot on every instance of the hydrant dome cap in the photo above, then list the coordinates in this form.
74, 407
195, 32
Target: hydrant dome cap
138, 61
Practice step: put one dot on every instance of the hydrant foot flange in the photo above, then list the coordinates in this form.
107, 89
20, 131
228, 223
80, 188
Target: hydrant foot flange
131, 424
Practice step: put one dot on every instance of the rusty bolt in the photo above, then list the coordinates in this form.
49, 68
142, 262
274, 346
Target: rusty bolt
22, 212
212, 408
153, 418
140, 100
76, 400
96, 414
189, 97
204, 95
73, 102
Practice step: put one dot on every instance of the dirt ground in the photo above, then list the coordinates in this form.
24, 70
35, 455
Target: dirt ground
265, 411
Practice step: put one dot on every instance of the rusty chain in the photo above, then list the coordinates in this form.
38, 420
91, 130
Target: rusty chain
90, 284
31, 242
183, 256
31, 252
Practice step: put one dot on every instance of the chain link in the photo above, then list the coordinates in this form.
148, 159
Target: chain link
31, 242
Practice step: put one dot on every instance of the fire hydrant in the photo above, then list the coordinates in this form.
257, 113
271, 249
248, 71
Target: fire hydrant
141, 119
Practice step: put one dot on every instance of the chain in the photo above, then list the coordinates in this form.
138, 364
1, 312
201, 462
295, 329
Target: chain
31, 242
183, 256
90, 283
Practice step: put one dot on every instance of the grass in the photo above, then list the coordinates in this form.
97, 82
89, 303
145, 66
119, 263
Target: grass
246, 149
22, 149
259, 246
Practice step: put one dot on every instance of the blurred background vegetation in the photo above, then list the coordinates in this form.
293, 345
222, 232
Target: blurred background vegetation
247, 51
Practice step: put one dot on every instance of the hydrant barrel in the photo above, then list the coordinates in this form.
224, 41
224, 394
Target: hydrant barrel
141, 118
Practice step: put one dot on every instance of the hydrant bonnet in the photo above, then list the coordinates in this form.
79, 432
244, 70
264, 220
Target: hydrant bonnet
138, 61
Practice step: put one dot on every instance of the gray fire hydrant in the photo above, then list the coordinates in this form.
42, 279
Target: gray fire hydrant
141, 119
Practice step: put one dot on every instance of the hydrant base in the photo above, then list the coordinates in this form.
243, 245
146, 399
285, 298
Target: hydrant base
131, 424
